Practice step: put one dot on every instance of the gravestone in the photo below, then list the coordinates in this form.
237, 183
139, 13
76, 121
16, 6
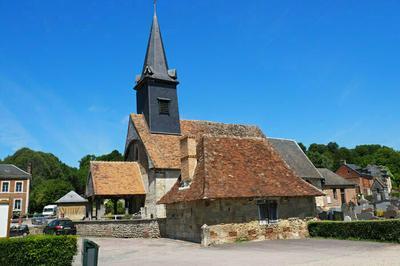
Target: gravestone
392, 214
366, 216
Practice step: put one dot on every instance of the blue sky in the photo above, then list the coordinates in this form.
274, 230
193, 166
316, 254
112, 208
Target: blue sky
314, 71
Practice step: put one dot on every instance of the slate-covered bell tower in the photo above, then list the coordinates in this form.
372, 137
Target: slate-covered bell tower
156, 95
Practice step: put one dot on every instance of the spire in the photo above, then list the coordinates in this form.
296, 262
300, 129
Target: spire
155, 63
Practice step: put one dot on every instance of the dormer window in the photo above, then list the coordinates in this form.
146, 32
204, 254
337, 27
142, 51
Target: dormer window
163, 106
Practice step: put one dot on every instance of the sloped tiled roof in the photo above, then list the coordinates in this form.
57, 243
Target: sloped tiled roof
234, 167
334, 180
294, 156
11, 171
71, 197
116, 178
164, 150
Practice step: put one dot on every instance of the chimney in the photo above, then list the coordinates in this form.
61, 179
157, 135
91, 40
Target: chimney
29, 168
188, 158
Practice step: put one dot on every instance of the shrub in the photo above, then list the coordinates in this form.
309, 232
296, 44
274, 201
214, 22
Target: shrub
38, 250
380, 230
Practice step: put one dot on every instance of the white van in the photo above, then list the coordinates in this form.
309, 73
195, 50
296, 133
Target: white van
49, 210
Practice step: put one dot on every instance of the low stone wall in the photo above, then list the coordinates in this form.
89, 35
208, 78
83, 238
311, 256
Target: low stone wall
119, 229
291, 228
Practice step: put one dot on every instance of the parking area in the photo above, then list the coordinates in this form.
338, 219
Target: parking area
115, 251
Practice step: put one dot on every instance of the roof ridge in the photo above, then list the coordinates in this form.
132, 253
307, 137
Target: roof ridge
20, 169
211, 136
221, 123
293, 140
114, 162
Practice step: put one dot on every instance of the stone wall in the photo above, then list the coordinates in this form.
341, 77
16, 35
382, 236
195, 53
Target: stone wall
335, 199
157, 185
292, 228
184, 220
119, 229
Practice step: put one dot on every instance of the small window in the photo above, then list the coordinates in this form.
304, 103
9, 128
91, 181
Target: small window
268, 211
334, 193
5, 186
135, 152
17, 204
18, 187
163, 106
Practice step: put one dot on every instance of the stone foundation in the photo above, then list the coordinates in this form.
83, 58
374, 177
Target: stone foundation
119, 229
292, 228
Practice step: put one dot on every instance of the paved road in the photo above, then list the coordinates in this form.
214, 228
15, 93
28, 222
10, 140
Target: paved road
282, 252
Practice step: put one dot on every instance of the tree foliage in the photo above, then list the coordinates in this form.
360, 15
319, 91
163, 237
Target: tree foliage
51, 178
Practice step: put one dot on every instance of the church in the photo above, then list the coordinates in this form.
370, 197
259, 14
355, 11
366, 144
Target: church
191, 172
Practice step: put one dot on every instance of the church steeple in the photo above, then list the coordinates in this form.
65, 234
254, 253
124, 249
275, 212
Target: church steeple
155, 63
156, 95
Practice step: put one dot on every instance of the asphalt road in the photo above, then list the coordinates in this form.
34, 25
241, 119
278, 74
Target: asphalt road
115, 251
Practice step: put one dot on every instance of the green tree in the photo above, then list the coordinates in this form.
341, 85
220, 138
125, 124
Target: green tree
47, 192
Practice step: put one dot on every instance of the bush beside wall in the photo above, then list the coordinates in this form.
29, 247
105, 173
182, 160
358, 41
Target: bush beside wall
380, 230
38, 250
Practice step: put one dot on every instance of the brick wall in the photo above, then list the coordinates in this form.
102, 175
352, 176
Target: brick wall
350, 195
12, 195
119, 229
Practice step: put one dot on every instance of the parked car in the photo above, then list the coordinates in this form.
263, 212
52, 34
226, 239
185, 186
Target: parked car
60, 227
19, 230
39, 219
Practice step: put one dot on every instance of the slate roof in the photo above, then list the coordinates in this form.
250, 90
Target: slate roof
71, 197
294, 156
157, 144
239, 167
155, 63
334, 180
115, 178
11, 171
359, 170
380, 182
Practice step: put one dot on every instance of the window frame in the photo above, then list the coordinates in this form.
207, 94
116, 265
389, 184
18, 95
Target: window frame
267, 211
8, 187
22, 187
20, 205
165, 101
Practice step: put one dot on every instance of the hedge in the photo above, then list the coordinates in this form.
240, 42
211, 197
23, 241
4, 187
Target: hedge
38, 250
380, 230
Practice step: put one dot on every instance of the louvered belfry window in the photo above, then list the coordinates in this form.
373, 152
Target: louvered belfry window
163, 105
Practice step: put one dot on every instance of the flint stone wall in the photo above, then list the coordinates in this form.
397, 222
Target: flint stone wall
148, 228
292, 228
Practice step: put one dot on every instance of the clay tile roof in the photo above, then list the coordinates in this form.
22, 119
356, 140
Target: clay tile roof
232, 167
157, 144
115, 178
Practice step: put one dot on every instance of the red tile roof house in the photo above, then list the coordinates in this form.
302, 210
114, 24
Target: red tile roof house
238, 186
360, 176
